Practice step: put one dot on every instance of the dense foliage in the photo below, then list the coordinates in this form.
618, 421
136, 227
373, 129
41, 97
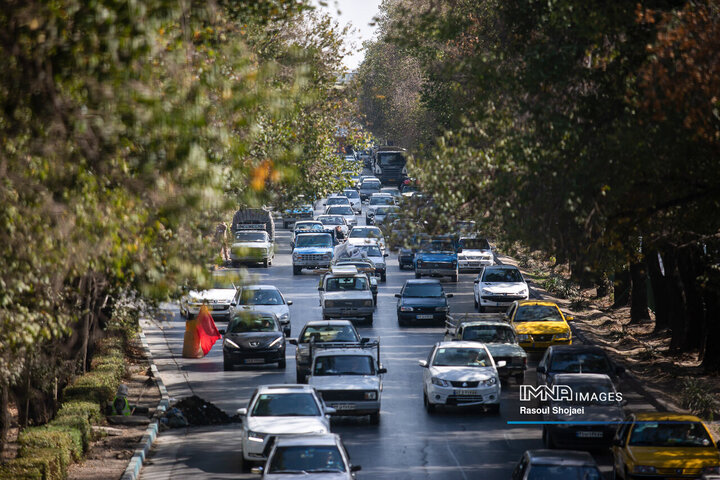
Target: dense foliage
584, 129
127, 129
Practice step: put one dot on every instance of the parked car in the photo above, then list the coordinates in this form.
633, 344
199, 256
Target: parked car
664, 445
253, 338
313, 456
264, 298
422, 300
556, 464
462, 374
539, 324
497, 286
277, 411
600, 403
576, 359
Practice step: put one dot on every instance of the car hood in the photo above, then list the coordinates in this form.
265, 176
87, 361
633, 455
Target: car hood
505, 350
287, 425
363, 241
345, 382
347, 295
276, 309
674, 457
423, 302
244, 339
475, 253
539, 328
592, 413
313, 250
215, 294
503, 287
463, 374
314, 476
251, 244
435, 257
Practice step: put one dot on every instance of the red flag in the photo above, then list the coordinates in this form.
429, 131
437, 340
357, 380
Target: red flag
206, 330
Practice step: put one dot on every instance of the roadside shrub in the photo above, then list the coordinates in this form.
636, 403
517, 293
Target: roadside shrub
18, 470
88, 410
113, 366
111, 343
46, 461
697, 399
66, 441
95, 386
559, 286
77, 423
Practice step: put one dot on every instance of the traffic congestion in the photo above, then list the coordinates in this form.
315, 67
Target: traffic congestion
475, 364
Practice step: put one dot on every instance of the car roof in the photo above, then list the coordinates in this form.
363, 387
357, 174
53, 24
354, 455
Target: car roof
285, 388
259, 287
347, 352
492, 323
313, 232
460, 344
320, 323
502, 267
577, 348
666, 417
538, 302
561, 457
570, 378
380, 194
415, 281
307, 440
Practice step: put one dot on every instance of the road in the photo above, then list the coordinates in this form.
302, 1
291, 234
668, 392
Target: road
407, 444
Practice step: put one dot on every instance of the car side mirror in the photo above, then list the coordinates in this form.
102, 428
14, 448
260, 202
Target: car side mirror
241, 412
386, 254
500, 363
397, 295
423, 363
382, 370
286, 331
364, 340
289, 302
569, 318
541, 369
257, 470
293, 341
355, 468
329, 410
234, 304
321, 289
449, 295
476, 281
222, 331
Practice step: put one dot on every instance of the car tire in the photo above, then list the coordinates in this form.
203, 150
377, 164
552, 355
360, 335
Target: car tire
297, 270
520, 378
428, 406
374, 418
299, 377
227, 366
475, 302
418, 275
282, 363
454, 278
266, 262
383, 277
494, 409
401, 322
481, 309
369, 319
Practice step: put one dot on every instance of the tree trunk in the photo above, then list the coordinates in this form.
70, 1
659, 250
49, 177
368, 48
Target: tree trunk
710, 352
690, 268
4, 416
621, 288
603, 287
638, 293
659, 285
676, 298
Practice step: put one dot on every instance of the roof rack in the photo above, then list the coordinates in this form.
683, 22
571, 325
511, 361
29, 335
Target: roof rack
455, 321
362, 345
343, 269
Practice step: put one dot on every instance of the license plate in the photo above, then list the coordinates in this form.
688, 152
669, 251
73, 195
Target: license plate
343, 406
424, 317
254, 360
583, 434
465, 392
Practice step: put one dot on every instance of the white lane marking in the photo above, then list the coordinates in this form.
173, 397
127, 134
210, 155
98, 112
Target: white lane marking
452, 454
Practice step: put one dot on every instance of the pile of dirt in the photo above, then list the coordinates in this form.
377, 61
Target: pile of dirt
200, 412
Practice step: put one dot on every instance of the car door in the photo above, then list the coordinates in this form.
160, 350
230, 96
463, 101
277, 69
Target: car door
426, 371
619, 451
545, 363
476, 285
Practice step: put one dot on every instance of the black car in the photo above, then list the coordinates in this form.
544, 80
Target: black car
368, 187
576, 359
253, 338
422, 300
560, 464
406, 254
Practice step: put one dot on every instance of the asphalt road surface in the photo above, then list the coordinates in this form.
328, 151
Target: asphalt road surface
407, 444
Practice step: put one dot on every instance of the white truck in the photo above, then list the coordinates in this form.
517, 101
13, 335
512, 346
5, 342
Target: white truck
345, 293
348, 376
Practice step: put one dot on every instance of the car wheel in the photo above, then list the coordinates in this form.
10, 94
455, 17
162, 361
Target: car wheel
520, 378
418, 275
454, 278
481, 309
383, 277
494, 409
299, 377
282, 363
297, 270
369, 319
401, 322
235, 263
266, 262
227, 366
374, 418
475, 302
428, 406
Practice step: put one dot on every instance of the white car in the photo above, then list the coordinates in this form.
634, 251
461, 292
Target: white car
263, 298
252, 246
476, 253
360, 235
344, 210
345, 293
462, 374
369, 248
354, 198
218, 298
498, 286
321, 457
334, 221
281, 410
337, 200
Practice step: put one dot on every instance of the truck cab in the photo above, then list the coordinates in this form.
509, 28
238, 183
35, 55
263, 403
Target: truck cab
345, 293
312, 251
349, 377
390, 165
437, 256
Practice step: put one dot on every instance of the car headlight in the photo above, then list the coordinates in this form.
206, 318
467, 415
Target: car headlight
329, 303
371, 395
439, 382
381, 266
419, 262
230, 343
284, 316
523, 292
295, 255
489, 382
454, 263
644, 469
486, 292
406, 309
275, 342
256, 436
562, 336
368, 303
523, 338
441, 309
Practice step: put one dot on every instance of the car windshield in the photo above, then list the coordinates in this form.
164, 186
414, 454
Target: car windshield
391, 159
370, 250
351, 193
314, 241
341, 284
344, 365
409, 188
370, 185
538, 313
307, 226
586, 393
306, 459
437, 245
261, 296
385, 210
579, 362
474, 244
501, 275
359, 232
461, 357
340, 210
489, 334
566, 472
332, 220
382, 200
669, 434
251, 323
250, 236
329, 333
285, 405
423, 290
338, 201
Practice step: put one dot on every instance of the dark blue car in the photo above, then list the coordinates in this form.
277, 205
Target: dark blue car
422, 300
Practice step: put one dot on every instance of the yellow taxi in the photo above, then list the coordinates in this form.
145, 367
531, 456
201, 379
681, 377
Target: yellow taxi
664, 445
539, 324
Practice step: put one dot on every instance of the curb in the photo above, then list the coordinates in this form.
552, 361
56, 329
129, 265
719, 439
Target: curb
132, 472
